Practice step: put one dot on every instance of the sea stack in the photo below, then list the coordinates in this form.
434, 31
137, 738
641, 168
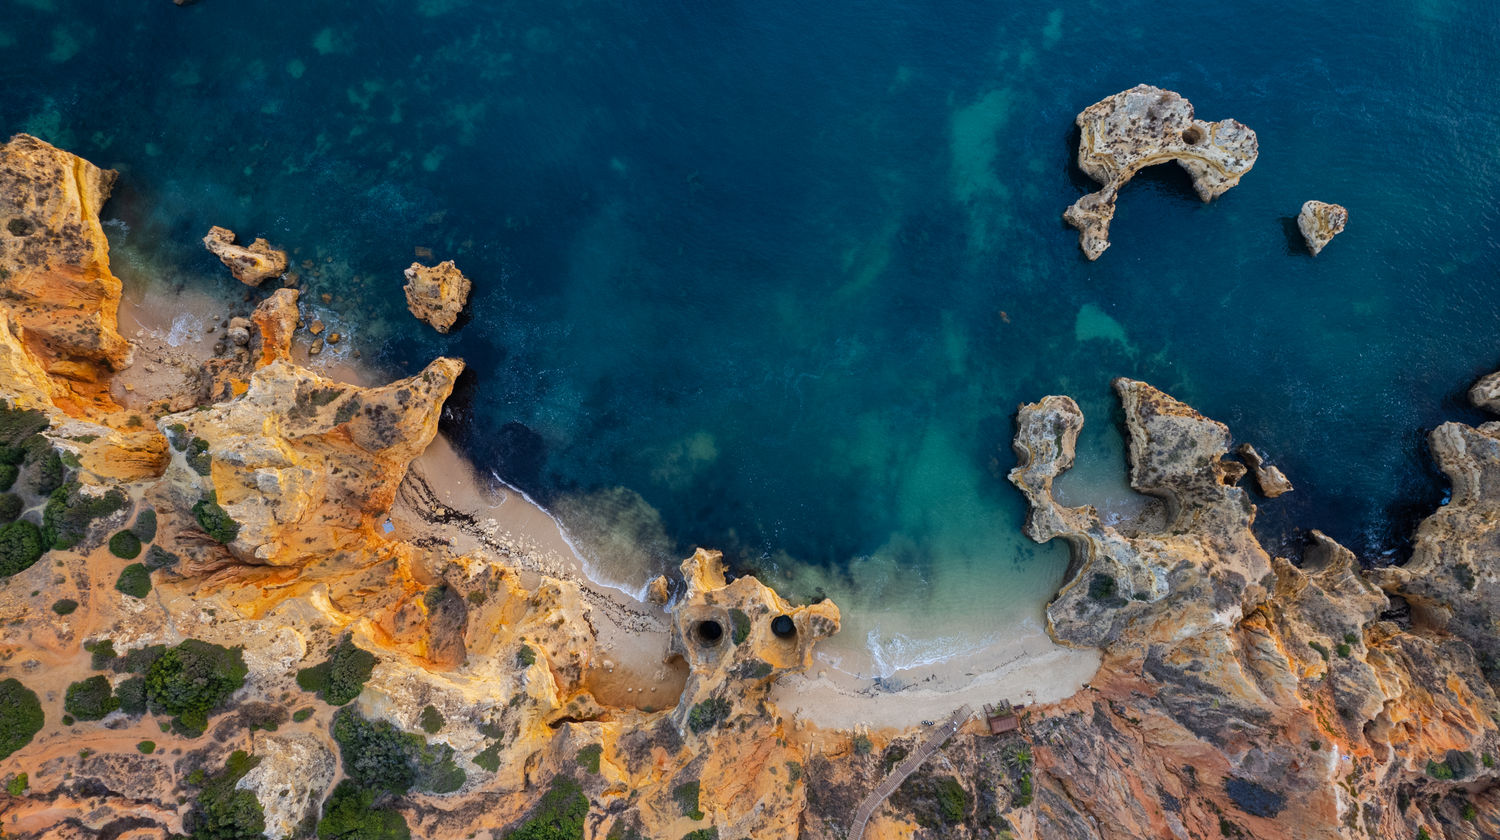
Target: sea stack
1272, 481
251, 265
1142, 127
436, 294
1320, 222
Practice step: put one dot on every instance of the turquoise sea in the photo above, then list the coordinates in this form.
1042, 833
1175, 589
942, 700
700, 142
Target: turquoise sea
773, 276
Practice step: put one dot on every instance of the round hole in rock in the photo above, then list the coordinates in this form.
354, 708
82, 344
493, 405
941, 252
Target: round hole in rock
709, 632
782, 626
1192, 135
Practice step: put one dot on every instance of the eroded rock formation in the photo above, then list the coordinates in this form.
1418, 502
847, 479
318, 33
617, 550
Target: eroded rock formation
1241, 694
436, 294
1142, 127
1486, 393
1320, 223
253, 264
1271, 480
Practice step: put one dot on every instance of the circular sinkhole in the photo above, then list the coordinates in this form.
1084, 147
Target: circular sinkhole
783, 626
1192, 135
708, 633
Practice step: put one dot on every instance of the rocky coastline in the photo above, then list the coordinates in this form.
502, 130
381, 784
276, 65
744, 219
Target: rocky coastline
210, 573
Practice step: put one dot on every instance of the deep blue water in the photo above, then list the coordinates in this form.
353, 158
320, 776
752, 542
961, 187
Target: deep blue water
785, 269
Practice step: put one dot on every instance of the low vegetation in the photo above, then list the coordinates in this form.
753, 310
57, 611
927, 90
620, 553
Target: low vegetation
214, 520
64, 606
90, 699
379, 757
70, 511
559, 816
21, 545
342, 676
432, 720
708, 714
223, 811
193, 679
686, 795
125, 545
350, 814
20, 716
134, 580
145, 525
589, 757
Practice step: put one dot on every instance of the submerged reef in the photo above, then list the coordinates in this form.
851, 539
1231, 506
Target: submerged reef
1142, 127
206, 619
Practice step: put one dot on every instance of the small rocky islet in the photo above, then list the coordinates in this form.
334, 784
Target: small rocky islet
283, 639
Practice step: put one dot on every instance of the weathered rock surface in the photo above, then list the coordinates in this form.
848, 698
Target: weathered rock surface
1142, 127
54, 264
1486, 393
289, 781
1272, 481
1320, 223
304, 464
253, 264
436, 294
1239, 695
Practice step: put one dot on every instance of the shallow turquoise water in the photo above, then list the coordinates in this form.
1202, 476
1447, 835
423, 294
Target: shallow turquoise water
784, 269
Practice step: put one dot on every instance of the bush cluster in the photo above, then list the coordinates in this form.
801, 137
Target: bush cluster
432, 720
741, 621
21, 545
145, 525
589, 757
64, 606
224, 812
559, 816
10, 507
686, 795
214, 520
20, 716
125, 545
342, 676
350, 814
191, 680
379, 757
90, 699
708, 714
70, 511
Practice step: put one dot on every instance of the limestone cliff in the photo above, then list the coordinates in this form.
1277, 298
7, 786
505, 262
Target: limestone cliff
1141, 127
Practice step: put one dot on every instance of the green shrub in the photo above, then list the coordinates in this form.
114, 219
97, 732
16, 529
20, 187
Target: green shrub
794, 770
380, 757
10, 507
1350, 638
1024, 794
20, 547
432, 719
224, 812
90, 699
302, 714
20, 716
342, 676
103, 652
214, 520
16, 785
710, 833
489, 758
349, 814
64, 606
8, 473
125, 545
1487, 760
1469, 812
953, 800
708, 714
589, 757
1344, 650
49, 473
1321, 648
70, 511
526, 657
159, 558
139, 660
198, 457
741, 622
191, 680
1439, 770
135, 579
862, 744
686, 795
177, 435
132, 695
1422, 833
145, 525
146, 747
559, 816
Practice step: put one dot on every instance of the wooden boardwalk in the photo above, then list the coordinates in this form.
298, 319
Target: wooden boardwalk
934, 742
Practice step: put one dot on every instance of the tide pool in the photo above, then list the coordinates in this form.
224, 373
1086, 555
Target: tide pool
772, 277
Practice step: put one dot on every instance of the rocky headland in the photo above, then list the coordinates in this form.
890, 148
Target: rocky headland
1145, 126
210, 627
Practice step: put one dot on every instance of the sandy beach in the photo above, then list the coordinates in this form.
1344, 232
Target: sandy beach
444, 500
